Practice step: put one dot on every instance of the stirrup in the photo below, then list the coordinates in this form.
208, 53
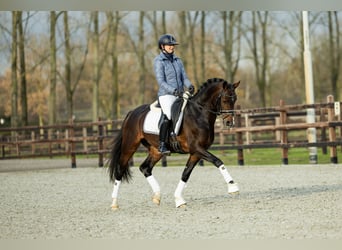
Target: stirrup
163, 149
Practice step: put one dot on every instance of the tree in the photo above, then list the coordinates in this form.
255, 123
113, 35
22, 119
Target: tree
96, 81
231, 42
67, 66
192, 22
70, 83
140, 51
183, 37
113, 24
259, 24
53, 70
334, 51
22, 69
202, 46
14, 79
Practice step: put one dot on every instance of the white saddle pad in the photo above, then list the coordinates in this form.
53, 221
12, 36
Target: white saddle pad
152, 119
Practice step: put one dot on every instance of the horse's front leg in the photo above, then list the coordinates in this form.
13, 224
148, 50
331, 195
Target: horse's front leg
233, 187
192, 161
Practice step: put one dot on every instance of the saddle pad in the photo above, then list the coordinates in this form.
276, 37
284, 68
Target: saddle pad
152, 119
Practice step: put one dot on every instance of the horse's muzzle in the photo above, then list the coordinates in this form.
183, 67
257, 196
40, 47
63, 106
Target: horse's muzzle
229, 121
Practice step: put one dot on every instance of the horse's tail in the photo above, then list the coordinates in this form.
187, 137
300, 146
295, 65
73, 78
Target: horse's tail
116, 171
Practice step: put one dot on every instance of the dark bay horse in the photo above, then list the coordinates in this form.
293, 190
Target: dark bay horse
215, 97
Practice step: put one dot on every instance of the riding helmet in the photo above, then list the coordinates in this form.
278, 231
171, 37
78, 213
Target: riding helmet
167, 39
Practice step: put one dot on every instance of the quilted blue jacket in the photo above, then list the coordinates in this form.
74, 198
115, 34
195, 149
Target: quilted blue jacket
170, 74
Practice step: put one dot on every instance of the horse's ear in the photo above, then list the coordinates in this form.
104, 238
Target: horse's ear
236, 84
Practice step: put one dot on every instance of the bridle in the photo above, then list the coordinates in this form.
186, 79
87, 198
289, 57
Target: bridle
219, 111
218, 103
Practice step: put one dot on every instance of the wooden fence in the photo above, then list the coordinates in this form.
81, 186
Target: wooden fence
255, 128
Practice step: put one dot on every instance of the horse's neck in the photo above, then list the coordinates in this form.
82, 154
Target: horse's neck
207, 99
202, 112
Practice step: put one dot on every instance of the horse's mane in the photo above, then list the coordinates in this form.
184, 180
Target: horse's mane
209, 82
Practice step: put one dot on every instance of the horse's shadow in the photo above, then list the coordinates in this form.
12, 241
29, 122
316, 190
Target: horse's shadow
273, 193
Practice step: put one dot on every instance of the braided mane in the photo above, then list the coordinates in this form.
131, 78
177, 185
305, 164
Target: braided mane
208, 82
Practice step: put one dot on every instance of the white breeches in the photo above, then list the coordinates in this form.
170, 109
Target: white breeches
166, 102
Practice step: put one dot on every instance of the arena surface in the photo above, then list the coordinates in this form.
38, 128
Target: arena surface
46, 199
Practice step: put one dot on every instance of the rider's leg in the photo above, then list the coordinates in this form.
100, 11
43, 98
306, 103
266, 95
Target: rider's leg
164, 130
166, 102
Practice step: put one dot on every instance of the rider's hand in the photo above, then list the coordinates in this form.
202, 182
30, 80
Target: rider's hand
176, 93
192, 89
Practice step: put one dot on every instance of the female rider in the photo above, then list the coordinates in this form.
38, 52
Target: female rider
171, 77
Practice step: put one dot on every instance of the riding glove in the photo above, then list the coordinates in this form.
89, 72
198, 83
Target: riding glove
192, 89
176, 93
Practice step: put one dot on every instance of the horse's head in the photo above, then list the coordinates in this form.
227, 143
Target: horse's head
218, 97
226, 101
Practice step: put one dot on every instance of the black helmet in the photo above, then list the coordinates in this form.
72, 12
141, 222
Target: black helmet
167, 39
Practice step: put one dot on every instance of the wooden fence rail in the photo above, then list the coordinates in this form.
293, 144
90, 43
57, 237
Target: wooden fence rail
255, 128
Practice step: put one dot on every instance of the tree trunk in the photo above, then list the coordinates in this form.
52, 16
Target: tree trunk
163, 22
67, 67
260, 59
202, 49
23, 92
192, 25
334, 51
53, 70
14, 79
114, 26
141, 58
96, 82
183, 37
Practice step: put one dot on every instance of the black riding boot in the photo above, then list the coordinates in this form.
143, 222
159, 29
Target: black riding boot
164, 130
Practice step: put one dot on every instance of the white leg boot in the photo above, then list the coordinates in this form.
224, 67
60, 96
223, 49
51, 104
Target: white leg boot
155, 188
178, 194
233, 187
115, 193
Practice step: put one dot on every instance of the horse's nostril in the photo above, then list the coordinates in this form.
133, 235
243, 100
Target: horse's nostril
229, 123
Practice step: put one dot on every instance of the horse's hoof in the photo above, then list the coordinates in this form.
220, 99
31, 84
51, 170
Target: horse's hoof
233, 188
156, 198
114, 205
180, 202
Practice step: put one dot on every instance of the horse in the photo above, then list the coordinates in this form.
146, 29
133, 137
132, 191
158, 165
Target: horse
215, 97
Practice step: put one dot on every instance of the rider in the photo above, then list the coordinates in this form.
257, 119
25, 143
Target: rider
171, 77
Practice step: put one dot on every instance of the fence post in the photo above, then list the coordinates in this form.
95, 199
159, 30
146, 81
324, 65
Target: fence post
72, 143
248, 134
17, 143
239, 139
164, 161
33, 146
66, 144
332, 133
100, 144
85, 140
283, 133
323, 131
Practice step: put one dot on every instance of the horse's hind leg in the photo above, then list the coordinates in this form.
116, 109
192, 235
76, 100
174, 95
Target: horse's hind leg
115, 194
127, 151
146, 168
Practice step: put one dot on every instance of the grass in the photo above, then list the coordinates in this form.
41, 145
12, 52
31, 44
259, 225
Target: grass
269, 156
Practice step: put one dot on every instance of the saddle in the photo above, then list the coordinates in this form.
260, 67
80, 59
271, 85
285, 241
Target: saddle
154, 118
